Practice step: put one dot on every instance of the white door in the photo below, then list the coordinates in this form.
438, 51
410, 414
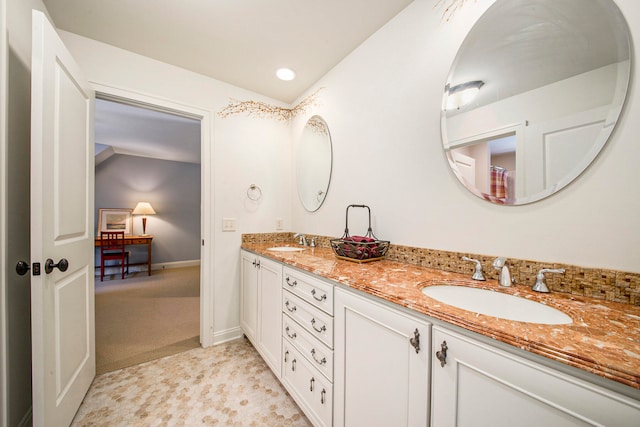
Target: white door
62, 302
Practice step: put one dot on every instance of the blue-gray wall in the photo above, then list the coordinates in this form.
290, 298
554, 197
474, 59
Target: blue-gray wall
172, 188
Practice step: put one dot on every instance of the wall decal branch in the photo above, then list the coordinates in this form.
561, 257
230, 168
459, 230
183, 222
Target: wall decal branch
450, 7
263, 110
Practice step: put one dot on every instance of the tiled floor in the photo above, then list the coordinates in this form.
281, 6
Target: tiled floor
223, 385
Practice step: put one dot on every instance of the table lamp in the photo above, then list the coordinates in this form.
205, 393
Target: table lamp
144, 209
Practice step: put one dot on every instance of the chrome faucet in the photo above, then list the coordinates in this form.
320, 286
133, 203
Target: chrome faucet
540, 285
477, 274
303, 239
504, 274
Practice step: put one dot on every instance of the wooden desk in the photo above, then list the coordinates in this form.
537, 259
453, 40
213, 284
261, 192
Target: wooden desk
136, 240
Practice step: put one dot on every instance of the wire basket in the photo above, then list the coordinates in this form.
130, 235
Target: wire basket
365, 248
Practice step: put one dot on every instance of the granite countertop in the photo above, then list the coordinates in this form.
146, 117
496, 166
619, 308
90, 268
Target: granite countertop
603, 339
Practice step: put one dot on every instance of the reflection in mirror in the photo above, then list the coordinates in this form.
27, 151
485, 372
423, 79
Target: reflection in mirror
313, 165
549, 80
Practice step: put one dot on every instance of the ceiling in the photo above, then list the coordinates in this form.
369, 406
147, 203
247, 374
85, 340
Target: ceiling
136, 131
241, 42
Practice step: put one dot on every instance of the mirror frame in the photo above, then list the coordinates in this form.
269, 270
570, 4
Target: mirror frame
614, 109
303, 193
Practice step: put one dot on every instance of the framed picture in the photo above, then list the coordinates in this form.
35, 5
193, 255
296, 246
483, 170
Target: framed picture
115, 220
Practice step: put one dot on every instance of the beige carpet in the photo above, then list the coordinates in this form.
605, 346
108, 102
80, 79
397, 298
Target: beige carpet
143, 317
228, 384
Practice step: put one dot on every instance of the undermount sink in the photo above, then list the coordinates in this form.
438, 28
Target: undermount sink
497, 304
285, 249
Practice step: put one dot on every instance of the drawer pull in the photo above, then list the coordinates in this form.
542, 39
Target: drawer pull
311, 383
293, 365
286, 353
322, 394
313, 325
319, 362
442, 355
290, 283
322, 298
291, 309
292, 336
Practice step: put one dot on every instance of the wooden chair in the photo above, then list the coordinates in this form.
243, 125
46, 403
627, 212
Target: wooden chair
112, 248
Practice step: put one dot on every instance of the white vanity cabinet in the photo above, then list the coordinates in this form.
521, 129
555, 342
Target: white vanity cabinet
260, 309
382, 364
481, 385
307, 345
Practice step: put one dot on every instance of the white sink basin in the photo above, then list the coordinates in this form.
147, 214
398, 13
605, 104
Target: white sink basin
497, 304
285, 249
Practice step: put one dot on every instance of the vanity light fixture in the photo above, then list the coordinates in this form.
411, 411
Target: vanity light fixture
462, 94
285, 74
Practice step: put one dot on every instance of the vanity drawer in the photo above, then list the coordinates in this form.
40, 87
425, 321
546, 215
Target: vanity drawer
310, 289
309, 388
316, 353
317, 322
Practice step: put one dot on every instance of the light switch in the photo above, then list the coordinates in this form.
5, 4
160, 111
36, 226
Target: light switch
228, 224
279, 224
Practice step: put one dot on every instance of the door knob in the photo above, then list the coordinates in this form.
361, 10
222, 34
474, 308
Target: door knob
22, 268
62, 265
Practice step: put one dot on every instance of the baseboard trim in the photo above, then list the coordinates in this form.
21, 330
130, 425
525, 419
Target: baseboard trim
231, 334
142, 268
174, 264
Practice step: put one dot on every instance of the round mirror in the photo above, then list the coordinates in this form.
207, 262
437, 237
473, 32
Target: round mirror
313, 166
533, 95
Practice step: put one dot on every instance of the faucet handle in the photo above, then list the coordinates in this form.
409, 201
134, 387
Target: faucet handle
477, 274
540, 285
499, 262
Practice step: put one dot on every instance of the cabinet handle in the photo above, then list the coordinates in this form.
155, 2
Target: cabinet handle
319, 362
286, 353
415, 341
322, 298
256, 263
292, 336
313, 325
442, 354
293, 365
290, 283
322, 395
291, 309
311, 383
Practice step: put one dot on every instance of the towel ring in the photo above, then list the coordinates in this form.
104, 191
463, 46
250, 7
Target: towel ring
254, 192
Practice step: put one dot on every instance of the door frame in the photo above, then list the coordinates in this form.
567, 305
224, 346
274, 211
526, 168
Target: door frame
4, 103
130, 97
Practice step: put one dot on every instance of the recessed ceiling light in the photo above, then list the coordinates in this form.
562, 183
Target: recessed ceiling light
286, 74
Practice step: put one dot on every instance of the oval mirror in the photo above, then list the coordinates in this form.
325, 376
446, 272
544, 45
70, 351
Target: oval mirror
533, 95
313, 165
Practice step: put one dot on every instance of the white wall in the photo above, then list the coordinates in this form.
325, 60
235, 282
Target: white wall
382, 105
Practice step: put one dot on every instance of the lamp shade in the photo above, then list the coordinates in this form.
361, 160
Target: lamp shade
143, 208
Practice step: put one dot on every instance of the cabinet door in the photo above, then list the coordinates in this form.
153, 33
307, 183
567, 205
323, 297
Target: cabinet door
480, 385
380, 379
270, 313
249, 296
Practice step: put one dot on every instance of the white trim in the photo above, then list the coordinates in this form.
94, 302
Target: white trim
231, 334
174, 264
206, 196
4, 271
4, 103
116, 269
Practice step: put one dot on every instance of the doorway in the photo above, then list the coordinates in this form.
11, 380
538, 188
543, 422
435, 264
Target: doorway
149, 154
